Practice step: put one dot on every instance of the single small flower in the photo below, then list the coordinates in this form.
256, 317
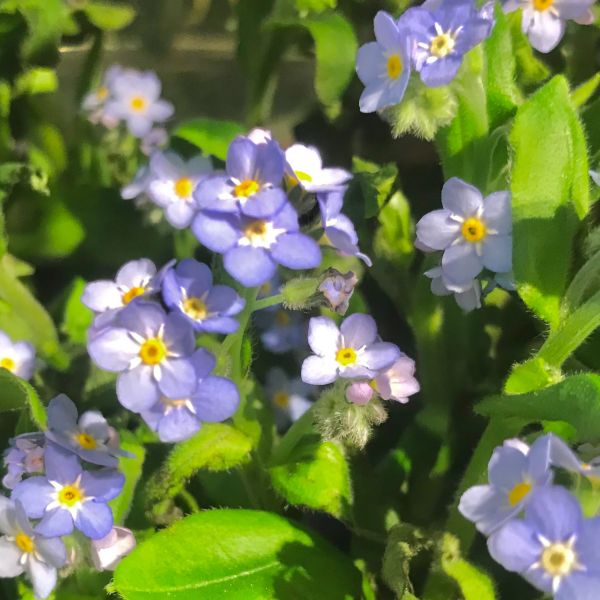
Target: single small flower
398, 382
70, 497
338, 289
442, 36
289, 397
24, 550
554, 547
339, 229
251, 184
17, 357
138, 188
353, 350
95, 101
136, 100
283, 330
135, 279
473, 231
467, 296
108, 552
544, 20
173, 185
157, 139
359, 393
214, 399
304, 166
87, 438
514, 472
562, 456
151, 350
384, 66
254, 247
25, 455
188, 288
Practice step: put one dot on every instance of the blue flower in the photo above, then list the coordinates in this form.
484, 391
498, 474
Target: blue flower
353, 350
173, 184
151, 350
70, 497
384, 66
94, 102
189, 289
339, 229
140, 184
254, 247
284, 330
136, 100
562, 456
304, 166
24, 550
17, 357
26, 455
514, 472
441, 38
135, 279
554, 547
467, 296
254, 172
474, 232
215, 399
289, 397
87, 438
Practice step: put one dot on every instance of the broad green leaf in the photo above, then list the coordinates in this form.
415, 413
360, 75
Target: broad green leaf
109, 17
394, 238
530, 70
531, 375
584, 92
16, 393
376, 183
241, 554
77, 317
580, 187
36, 81
211, 136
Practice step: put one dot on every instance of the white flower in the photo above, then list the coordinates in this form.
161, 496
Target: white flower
108, 552
304, 165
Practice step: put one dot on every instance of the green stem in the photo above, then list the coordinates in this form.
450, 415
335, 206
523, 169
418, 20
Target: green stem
586, 277
190, 501
266, 302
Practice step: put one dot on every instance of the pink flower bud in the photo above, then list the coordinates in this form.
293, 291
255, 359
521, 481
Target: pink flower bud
360, 393
108, 552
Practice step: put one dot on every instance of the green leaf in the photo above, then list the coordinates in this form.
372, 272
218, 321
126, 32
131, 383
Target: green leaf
109, 17
394, 239
36, 81
241, 554
16, 393
531, 375
376, 183
585, 91
530, 70
211, 136
314, 5
78, 317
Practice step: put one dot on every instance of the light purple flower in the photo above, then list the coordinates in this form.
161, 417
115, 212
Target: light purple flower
24, 550
254, 247
68, 496
215, 399
108, 552
304, 165
95, 101
136, 100
17, 357
474, 232
157, 138
514, 472
189, 289
173, 185
562, 456
467, 296
398, 382
151, 350
254, 172
338, 289
283, 330
554, 547
339, 229
441, 37
289, 397
384, 66
87, 438
25, 455
359, 393
353, 350
138, 188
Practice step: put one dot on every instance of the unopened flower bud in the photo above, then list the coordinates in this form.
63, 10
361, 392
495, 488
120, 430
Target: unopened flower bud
300, 293
338, 289
359, 392
108, 552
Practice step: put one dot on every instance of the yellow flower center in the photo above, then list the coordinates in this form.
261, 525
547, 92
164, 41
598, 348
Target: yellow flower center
442, 45
542, 5
256, 230
558, 559
473, 230
394, 66
102, 93
184, 187
25, 543
346, 356
519, 492
138, 104
282, 318
303, 176
87, 441
195, 309
69, 495
281, 399
153, 351
8, 364
134, 292
246, 188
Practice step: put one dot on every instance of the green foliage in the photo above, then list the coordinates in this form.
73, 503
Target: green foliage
36, 81
314, 5
301, 293
585, 91
248, 555
531, 375
16, 393
394, 238
376, 183
109, 17
77, 317
211, 136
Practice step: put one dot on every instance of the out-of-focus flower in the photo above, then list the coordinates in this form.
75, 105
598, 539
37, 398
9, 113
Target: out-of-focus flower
289, 397
304, 166
108, 552
283, 330
25, 455
359, 393
353, 350
173, 185
95, 101
474, 232
155, 140
398, 382
138, 188
338, 289
254, 247
467, 296
17, 357
68, 496
384, 66
514, 472
562, 456
189, 289
24, 550
268, 289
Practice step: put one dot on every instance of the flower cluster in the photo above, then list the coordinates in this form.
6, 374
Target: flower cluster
553, 546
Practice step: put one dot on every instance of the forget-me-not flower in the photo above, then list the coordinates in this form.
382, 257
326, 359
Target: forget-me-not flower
384, 66
398, 382
338, 289
95, 101
70, 497
554, 547
214, 399
173, 185
138, 188
17, 357
189, 289
283, 330
514, 472
151, 350
562, 456
305, 166
353, 350
473, 231
108, 552
289, 397
467, 296
25, 455
24, 550
254, 247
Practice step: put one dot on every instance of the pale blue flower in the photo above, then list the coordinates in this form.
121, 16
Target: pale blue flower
17, 357
467, 296
25, 455
289, 397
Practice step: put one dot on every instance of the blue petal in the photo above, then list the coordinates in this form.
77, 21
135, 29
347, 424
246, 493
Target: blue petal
61, 465
442, 71
270, 163
224, 325
137, 389
358, 330
62, 414
178, 378
204, 362
496, 253
55, 523
516, 546
94, 519
216, 399
461, 263
461, 198
241, 159
555, 513
250, 266
438, 230
218, 232
264, 203
105, 484
178, 425
35, 494
296, 251
371, 63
